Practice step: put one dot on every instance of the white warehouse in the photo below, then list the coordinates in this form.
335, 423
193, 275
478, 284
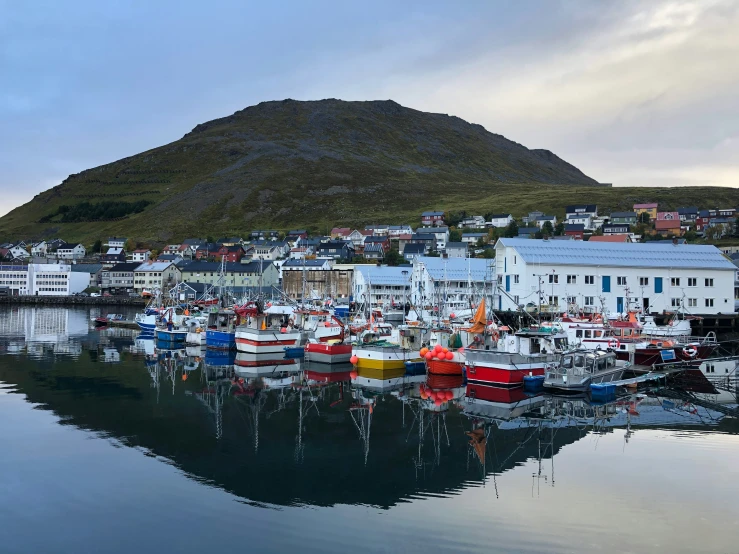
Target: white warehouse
653, 277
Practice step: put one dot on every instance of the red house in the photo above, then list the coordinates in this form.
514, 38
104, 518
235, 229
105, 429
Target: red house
668, 223
230, 253
432, 218
576, 230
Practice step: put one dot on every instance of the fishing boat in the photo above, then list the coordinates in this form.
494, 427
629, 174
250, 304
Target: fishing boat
102, 321
373, 352
220, 329
504, 358
331, 352
579, 369
171, 336
264, 332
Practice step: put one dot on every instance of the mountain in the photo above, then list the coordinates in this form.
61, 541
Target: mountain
290, 163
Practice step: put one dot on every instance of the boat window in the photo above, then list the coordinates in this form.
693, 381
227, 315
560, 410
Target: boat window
597, 333
627, 332
601, 364
610, 361
580, 360
567, 362
587, 334
589, 367
617, 332
578, 333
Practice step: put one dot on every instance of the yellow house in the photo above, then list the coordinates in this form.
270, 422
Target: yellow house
650, 209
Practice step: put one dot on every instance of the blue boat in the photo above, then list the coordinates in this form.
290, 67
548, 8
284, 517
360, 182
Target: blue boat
222, 340
220, 332
294, 352
173, 337
533, 383
220, 357
415, 368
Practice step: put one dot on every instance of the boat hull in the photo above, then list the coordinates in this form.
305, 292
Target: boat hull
384, 357
328, 353
256, 341
177, 337
651, 356
439, 367
220, 339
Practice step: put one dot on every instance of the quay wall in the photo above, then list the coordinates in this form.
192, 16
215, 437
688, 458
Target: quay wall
72, 300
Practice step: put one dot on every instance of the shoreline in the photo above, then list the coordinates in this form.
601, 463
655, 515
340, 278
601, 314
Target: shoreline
72, 300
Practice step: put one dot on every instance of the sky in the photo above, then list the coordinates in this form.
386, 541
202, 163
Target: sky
635, 93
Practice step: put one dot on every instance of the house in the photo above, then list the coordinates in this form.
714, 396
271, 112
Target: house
432, 218
456, 249
173, 258
39, 248
723, 226
575, 230
155, 275
474, 238
532, 217
377, 230
176, 249
623, 217
231, 253
55, 280
117, 242
206, 250
618, 237
296, 234
585, 220
703, 219
67, 251
381, 285
472, 222
668, 223
340, 232
374, 251
304, 265
500, 221
114, 255
616, 228
440, 232
527, 232
357, 237
542, 219
17, 252
266, 252
118, 279
579, 211
229, 241
413, 250
140, 255
336, 250
727, 212
237, 276
624, 276
93, 271
262, 234
299, 252
383, 241
649, 209
688, 215
397, 230
427, 239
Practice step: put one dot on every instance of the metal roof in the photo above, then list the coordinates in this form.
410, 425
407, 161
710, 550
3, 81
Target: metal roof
617, 254
458, 269
384, 275
153, 266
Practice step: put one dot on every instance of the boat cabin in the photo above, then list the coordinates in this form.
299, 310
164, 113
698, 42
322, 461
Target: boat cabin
584, 362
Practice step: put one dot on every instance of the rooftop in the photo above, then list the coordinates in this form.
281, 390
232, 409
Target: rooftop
459, 269
612, 254
384, 275
616, 237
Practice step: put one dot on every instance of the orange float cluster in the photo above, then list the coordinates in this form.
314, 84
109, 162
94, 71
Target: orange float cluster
438, 396
437, 353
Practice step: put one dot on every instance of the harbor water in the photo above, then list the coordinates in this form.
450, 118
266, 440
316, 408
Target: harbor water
112, 443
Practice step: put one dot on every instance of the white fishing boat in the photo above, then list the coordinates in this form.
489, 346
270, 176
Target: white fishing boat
579, 369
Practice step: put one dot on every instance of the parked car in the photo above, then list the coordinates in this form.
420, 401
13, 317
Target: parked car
95, 294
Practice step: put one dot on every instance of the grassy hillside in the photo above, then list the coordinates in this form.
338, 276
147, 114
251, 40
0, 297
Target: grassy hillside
319, 164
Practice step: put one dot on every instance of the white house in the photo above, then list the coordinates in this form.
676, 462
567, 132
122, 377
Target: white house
117, 242
140, 255
472, 222
382, 285
579, 210
456, 249
265, 252
472, 238
500, 220
68, 251
55, 280
19, 252
39, 248
542, 219
441, 233
653, 277
151, 275
580, 219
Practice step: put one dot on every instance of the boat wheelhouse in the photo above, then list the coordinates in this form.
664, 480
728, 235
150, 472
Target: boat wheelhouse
579, 369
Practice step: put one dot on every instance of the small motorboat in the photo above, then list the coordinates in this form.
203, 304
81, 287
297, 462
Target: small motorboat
578, 369
103, 321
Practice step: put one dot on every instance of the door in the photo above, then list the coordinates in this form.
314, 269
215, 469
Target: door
508, 283
658, 285
606, 282
645, 305
620, 304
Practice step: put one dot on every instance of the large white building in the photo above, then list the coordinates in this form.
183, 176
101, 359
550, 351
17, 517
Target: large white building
155, 275
15, 278
383, 285
614, 277
55, 280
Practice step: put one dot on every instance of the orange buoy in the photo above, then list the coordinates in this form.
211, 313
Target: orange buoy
354, 359
423, 352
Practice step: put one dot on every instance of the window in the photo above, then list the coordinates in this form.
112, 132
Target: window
515, 300
572, 279
515, 279
589, 301
692, 302
693, 282
571, 300
590, 279
554, 300
554, 278
709, 282
643, 281
709, 302
675, 281
710, 368
515, 260
675, 303
621, 281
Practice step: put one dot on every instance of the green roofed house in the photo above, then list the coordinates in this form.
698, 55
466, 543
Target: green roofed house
623, 217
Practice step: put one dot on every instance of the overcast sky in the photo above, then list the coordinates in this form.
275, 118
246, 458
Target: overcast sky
631, 92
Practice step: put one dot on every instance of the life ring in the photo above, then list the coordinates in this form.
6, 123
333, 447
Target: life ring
613, 344
690, 351
495, 336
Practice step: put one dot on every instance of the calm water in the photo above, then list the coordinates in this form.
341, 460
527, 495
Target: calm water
109, 445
